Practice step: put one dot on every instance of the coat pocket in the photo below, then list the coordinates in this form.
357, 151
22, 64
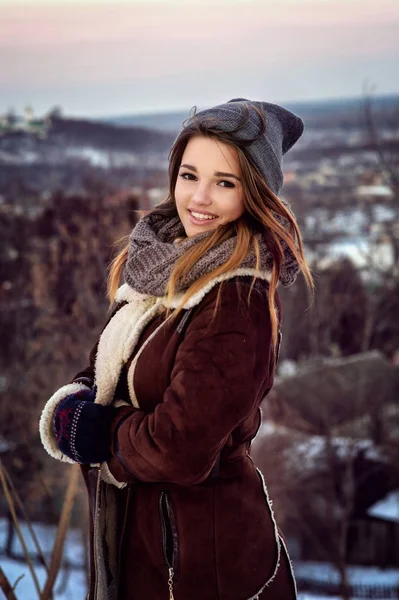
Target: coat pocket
170, 540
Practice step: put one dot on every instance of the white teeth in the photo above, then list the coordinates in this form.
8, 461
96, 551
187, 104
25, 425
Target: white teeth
202, 217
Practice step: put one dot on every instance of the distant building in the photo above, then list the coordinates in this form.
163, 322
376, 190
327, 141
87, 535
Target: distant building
11, 122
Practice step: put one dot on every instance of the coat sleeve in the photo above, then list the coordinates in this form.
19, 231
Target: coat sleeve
221, 370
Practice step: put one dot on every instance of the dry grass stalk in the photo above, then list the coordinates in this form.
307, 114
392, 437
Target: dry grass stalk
11, 506
61, 532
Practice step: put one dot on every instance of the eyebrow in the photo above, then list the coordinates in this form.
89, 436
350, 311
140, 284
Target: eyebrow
217, 173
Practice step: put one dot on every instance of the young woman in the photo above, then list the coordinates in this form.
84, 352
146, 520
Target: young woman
163, 418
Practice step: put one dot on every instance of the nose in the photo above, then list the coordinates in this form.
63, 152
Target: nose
201, 196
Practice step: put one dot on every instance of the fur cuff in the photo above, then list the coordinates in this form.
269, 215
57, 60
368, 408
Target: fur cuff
107, 476
46, 420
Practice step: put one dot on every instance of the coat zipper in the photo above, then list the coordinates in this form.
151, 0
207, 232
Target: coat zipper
169, 538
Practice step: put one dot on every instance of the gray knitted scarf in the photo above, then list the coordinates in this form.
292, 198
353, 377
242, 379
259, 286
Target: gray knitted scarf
153, 254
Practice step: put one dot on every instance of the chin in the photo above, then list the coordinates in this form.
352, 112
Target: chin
193, 231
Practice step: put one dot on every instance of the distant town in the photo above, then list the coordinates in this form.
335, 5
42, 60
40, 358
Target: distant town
336, 178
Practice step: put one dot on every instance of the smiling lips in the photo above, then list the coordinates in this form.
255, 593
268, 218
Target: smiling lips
201, 216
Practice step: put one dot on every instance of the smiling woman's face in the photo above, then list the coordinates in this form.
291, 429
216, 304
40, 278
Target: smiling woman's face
208, 189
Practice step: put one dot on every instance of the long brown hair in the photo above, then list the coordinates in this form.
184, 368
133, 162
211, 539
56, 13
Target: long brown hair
264, 212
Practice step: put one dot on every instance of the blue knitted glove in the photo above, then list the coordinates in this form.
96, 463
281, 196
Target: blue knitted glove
82, 428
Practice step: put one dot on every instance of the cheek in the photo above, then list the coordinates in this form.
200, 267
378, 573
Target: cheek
240, 208
234, 208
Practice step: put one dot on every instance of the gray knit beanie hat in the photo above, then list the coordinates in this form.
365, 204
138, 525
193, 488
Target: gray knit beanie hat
265, 140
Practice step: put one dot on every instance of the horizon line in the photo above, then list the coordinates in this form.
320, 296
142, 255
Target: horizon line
142, 113
329, 99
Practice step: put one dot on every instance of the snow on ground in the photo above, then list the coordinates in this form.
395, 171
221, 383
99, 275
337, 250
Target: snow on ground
312, 451
45, 534
387, 508
312, 597
70, 584
323, 572
75, 587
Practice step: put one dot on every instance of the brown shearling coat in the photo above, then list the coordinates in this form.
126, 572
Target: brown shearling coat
193, 520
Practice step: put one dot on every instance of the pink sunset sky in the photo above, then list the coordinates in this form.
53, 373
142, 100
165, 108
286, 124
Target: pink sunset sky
100, 58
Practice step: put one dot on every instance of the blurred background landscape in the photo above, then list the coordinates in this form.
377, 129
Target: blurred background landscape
92, 97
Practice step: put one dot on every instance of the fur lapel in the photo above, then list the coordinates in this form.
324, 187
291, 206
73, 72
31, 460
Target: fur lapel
117, 342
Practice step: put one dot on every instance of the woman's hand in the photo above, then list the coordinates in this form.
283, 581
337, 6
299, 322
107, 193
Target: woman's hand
82, 428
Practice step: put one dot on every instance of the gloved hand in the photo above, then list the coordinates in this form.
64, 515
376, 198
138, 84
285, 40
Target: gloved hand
82, 428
